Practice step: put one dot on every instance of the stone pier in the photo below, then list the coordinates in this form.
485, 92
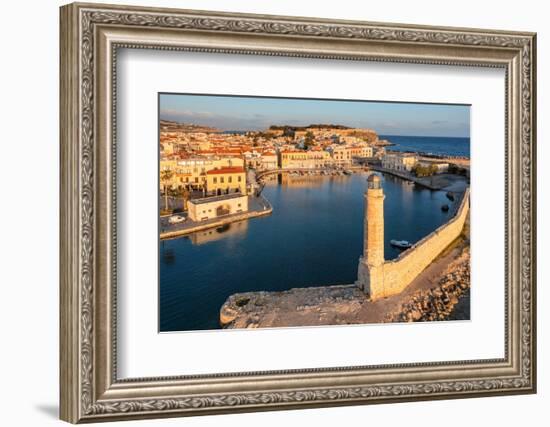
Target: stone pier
379, 278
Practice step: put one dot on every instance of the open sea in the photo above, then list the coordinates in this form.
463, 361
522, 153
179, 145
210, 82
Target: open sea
439, 145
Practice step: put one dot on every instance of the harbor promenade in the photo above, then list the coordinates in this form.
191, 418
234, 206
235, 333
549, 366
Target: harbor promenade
258, 206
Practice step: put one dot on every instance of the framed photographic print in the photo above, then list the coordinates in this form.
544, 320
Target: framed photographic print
266, 212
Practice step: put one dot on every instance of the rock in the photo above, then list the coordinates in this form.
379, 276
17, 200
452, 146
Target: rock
227, 315
416, 315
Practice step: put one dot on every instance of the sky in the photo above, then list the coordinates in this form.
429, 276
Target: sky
258, 113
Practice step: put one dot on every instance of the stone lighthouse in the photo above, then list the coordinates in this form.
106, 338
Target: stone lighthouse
371, 264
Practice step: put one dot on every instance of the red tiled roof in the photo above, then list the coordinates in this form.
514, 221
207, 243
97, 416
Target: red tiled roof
225, 170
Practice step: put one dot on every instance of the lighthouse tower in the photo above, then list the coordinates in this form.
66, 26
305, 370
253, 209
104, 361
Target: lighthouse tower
371, 264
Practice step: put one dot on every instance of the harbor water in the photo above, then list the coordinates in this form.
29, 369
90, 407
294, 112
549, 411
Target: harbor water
314, 237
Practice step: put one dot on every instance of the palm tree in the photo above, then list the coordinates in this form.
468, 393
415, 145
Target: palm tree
165, 177
184, 193
185, 196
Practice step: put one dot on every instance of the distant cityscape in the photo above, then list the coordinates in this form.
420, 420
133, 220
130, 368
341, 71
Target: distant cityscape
198, 162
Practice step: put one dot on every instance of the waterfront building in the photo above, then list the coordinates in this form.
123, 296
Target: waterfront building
261, 160
401, 162
226, 179
343, 155
299, 159
253, 160
269, 160
217, 206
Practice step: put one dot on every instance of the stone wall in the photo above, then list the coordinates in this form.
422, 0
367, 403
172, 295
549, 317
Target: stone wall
393, 276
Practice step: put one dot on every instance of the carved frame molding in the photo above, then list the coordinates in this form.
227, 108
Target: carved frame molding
90, 37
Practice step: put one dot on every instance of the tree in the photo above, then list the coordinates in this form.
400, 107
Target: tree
165, 177
183, 193
421, 170
308, 139
185, 197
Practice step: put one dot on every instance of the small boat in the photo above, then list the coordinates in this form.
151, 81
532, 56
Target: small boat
403, 244
450, 196
445, 208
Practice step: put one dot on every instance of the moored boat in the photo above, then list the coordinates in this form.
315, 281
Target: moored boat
402, 244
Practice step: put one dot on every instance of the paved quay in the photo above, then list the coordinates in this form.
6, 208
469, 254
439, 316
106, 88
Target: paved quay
258, 206
444, 182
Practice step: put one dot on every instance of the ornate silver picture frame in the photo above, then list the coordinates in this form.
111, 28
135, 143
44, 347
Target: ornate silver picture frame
91, 35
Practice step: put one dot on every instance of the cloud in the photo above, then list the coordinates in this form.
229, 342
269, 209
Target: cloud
220, 121
186, 113
403, 125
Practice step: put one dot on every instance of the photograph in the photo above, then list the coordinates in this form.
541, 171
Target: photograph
269, 209
298, 212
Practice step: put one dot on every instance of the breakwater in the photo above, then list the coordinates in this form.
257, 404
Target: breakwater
392, 277
438, 303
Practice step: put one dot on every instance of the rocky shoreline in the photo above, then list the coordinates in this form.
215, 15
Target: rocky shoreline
323, 305
436, 295
438, 303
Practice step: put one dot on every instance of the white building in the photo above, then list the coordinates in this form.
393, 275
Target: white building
402, 162
217, 206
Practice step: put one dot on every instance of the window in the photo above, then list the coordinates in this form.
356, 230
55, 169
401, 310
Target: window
196, 179
215, 180
221, 180
230, 179
239, 179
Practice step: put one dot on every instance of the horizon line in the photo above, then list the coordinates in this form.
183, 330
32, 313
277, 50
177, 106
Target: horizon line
306, 126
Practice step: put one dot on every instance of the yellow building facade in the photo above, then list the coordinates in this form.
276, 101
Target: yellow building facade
226, 179
304, 159
192, 172
343, 155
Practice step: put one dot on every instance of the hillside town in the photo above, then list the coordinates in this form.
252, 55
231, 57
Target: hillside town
207, 175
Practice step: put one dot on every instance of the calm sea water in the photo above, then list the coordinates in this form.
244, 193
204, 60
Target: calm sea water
430, 144
314, 237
